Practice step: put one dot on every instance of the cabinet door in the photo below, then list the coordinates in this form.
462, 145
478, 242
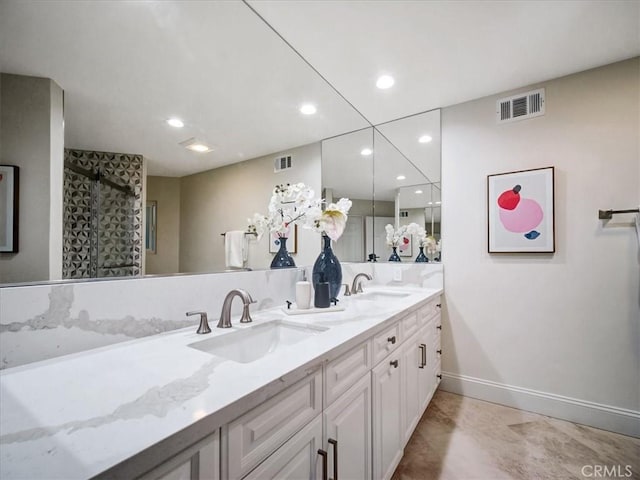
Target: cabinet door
387, 407
411, 358
348, 424
200, 461
297, 459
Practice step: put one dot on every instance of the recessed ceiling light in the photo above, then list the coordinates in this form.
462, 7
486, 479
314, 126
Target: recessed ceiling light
385, 81
366, 152
425, 139
175, 122
196, 145
308, 109
418, 192
400, 177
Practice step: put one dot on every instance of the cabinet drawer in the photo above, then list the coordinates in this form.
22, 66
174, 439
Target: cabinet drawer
386, 342
341, 373
297, 459
410, 325
429, 310
255, 435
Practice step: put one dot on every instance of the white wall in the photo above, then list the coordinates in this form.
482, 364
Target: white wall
221, 200
555, 333
32, 137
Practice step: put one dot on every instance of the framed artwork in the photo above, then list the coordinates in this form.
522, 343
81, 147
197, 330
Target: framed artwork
9, 186
405, 246
521, 211
292, 240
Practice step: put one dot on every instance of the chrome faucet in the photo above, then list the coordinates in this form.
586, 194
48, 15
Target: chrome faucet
356, 287
204, 323
225, 315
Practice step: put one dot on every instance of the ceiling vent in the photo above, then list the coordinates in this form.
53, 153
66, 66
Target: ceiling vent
282, 163
521, 106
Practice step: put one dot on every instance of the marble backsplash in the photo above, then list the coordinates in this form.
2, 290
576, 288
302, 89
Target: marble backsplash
40, 322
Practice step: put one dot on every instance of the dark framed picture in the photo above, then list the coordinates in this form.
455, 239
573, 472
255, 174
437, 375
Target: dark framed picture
292, 240
9, 189
521, 211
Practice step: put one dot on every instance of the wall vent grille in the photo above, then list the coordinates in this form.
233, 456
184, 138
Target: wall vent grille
282, 163
521, 106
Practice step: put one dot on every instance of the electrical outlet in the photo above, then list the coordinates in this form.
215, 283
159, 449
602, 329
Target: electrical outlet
397, 274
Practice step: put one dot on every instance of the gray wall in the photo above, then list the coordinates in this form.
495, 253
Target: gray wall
565, 324
165, 191
32, 137
221, 200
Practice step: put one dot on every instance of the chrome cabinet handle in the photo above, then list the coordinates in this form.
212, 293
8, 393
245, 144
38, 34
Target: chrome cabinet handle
323, 454
394, 363
334, 443
392, 340
423, 351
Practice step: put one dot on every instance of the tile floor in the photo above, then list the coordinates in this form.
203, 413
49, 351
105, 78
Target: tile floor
460, 438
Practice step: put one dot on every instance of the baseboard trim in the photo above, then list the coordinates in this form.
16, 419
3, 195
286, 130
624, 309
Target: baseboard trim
606, 417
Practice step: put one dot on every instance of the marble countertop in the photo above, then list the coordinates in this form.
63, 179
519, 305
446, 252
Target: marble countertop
89, 413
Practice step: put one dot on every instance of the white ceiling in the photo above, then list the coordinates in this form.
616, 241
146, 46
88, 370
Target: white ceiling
447, 52
127, 66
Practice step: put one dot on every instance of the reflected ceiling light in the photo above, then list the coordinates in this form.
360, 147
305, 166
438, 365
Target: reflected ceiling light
384, 82
425, 139
308, 109
196, 145
175, 122
418, 192
401, 177
366, 152
430, 203
438, 203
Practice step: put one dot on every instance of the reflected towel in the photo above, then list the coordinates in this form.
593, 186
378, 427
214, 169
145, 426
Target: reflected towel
235, 248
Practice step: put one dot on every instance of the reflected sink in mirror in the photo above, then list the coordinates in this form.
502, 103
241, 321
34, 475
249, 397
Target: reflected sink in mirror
253, 343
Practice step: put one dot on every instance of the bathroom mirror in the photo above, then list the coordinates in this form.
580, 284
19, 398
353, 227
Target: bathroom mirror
236, 84
347, 171
407, 179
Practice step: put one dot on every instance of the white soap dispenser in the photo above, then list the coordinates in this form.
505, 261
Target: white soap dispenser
303, 293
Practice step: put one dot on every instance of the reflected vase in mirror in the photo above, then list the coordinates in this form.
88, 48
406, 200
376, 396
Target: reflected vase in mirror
328, 266
421, 258
394, 256
282, 259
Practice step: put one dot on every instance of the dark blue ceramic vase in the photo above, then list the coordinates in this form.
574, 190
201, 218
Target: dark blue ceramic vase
394, 256
329, 265
421, 258
282, 259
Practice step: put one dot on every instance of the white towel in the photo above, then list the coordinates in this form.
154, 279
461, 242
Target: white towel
235, 249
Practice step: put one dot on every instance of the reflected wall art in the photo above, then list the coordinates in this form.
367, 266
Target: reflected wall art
521, 211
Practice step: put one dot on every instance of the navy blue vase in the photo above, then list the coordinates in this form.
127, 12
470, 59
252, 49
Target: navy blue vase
282, 259
394, 256
329, 265
421, 258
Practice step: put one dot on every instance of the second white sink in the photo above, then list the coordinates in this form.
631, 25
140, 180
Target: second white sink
252, 343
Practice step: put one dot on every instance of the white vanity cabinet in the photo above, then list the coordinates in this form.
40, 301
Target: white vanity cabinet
347, 419
254, 436
198, 462
388, 398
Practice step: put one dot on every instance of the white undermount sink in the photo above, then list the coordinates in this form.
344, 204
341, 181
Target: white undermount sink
379, 295
252, 343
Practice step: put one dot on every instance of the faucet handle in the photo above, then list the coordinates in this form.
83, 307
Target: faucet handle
204, 323
347, 292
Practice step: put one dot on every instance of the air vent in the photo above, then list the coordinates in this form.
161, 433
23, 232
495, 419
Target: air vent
521, 106
282, 163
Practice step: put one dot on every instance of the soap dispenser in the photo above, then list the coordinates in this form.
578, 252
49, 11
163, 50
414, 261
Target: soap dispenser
322, 298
